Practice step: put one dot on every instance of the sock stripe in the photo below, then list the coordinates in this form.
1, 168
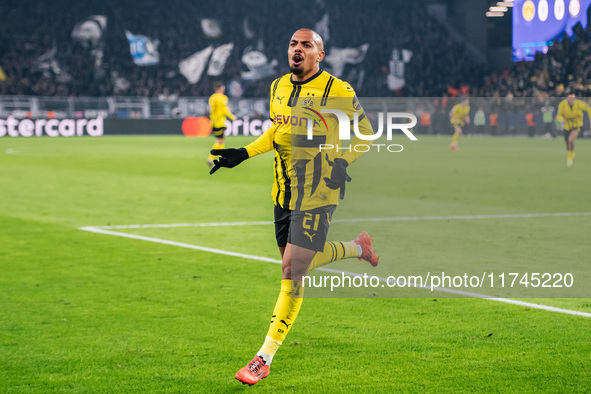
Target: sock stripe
343, 246
331, 251
334, 251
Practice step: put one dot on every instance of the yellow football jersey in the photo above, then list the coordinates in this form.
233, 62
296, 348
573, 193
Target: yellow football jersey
573, 115
459, 113
296, 109
218, 110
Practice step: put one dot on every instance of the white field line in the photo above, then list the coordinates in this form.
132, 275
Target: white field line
104, 230
179, 244
395, 219
472, 295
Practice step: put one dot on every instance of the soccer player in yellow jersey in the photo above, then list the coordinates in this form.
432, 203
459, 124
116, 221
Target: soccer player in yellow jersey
218, 112
308, 181
570, 113
459, 116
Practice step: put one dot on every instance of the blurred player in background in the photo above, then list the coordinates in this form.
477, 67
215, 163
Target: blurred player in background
305, 192
459, 116
218, 112
548, 119
570, 113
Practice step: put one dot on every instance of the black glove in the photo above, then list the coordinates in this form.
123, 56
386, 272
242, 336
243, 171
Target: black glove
228, 158
338, 176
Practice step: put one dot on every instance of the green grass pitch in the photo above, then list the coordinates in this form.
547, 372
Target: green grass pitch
88, 312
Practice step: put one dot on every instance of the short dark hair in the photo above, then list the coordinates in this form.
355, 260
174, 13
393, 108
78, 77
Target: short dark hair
217, 85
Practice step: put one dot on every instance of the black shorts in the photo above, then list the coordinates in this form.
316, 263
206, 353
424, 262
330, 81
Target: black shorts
307, 229
567, 133
218, 132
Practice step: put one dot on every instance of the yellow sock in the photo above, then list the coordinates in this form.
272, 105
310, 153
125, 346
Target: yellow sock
334, 251
268, 350
216, 146
455, 138
270, 346
570, 154
286, 309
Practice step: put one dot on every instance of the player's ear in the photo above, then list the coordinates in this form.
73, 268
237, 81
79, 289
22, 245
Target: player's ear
321, 56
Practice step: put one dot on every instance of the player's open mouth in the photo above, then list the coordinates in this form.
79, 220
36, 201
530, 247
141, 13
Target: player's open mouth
297, 60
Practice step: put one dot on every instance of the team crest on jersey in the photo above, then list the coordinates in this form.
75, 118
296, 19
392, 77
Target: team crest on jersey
308, 102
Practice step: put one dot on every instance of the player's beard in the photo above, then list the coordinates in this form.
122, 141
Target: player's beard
296, 70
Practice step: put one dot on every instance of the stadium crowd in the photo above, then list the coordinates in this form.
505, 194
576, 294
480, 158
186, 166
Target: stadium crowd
566, 67
438, 65
28, 33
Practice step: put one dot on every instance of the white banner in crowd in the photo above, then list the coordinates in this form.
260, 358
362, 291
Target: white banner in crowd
144, 50
247, 30
211, 28
396, 66
193, 66
49, 66
90, 31
339, 57
120, 84
258, 66
218, 59
322, 28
